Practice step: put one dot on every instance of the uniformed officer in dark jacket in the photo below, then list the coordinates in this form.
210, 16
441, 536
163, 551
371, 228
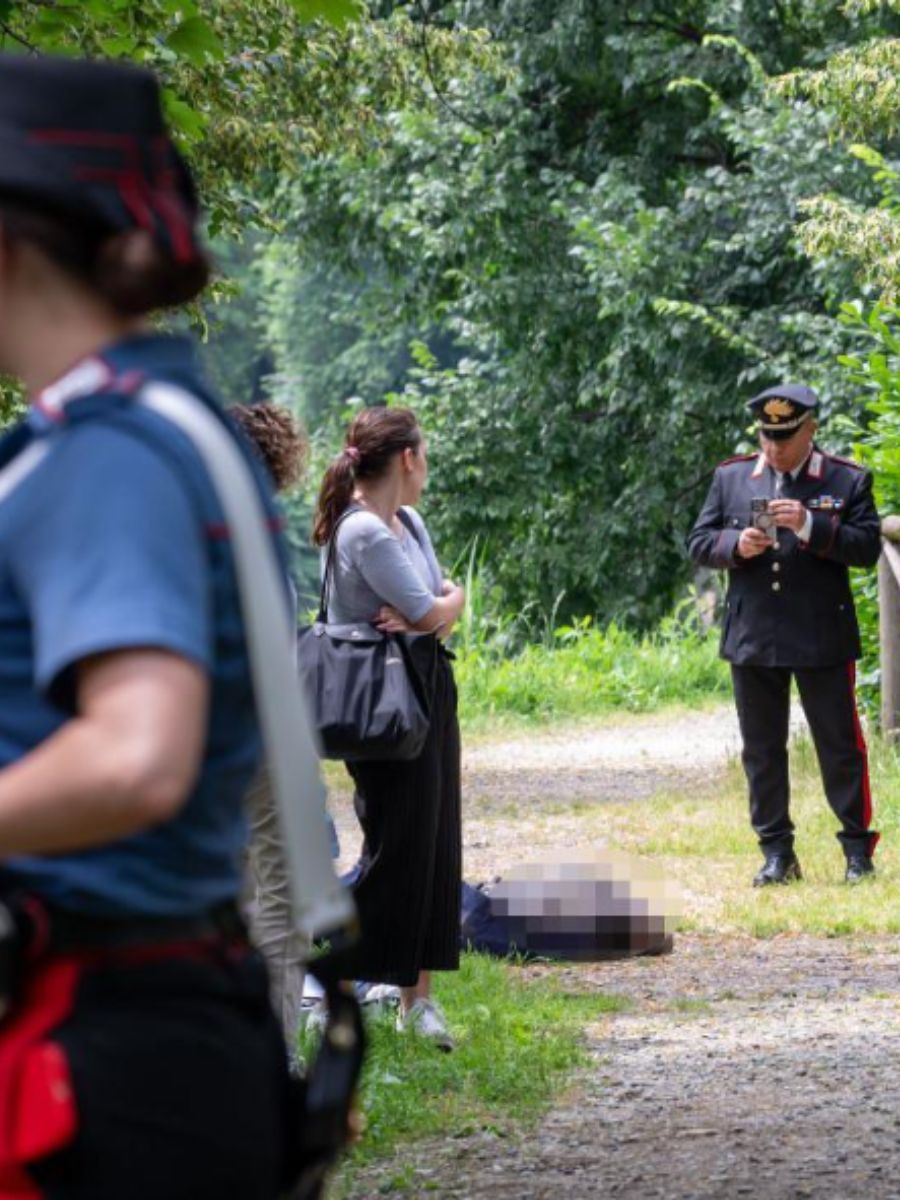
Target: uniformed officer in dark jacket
786, 524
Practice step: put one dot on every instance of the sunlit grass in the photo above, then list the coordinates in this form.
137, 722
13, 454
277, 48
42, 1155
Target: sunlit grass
520, 1037
705, 842
597, 671
528, 667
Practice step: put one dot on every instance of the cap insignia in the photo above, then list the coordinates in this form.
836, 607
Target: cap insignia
778, 410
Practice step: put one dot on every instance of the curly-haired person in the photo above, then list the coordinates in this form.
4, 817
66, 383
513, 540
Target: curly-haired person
278, 439
281, 444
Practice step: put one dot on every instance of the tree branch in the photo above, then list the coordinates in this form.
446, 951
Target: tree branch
694, 484
690, 33
438, 91
16, 37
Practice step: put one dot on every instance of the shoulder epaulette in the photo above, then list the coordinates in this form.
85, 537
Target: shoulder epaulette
735, 458
847, 462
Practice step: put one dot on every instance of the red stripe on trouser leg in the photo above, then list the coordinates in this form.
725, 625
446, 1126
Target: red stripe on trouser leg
864, 751
37, 1113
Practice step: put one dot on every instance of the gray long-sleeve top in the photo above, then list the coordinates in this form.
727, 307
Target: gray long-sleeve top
373, 566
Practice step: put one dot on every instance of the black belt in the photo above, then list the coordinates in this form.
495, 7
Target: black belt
68, 931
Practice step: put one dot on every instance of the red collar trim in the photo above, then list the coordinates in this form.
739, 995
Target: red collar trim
88, 376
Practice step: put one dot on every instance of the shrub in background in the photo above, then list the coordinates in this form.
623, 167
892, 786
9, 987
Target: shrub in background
527, 666
875, 368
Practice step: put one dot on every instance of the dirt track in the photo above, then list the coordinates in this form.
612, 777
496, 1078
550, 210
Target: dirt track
740, 1068
743, 1069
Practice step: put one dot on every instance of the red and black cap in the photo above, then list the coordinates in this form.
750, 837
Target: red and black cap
88, 139
782, 409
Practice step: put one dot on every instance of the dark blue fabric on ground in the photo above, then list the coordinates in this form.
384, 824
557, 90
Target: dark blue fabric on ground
479, 929
607, 933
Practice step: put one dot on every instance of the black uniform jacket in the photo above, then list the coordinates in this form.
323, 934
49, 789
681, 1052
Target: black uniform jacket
791, 606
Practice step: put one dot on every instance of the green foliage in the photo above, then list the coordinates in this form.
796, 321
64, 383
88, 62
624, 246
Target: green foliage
336, 12
581, 670
250, 89
600, 267
859, 85
868, 237
874, 368
519, 1038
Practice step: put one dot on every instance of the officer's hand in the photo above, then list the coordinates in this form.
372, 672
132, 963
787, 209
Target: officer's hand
788, 513
753, 542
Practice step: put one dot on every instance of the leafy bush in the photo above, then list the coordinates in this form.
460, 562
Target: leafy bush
875, 368
580, 669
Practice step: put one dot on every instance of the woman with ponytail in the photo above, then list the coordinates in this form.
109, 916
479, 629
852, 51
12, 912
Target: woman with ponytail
385, 572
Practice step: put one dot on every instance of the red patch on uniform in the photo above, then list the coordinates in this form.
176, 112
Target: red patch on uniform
864, 751
847, 462
737, 458
37, 1106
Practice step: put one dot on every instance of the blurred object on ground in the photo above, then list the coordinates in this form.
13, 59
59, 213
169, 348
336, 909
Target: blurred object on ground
585, 905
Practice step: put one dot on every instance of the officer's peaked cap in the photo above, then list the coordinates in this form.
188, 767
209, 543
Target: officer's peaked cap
88, 139
782, 409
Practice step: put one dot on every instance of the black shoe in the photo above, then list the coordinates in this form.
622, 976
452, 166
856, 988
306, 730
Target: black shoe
858, 867
778, 868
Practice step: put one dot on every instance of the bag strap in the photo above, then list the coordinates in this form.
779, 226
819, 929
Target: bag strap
322, 907
328, 572
405, 519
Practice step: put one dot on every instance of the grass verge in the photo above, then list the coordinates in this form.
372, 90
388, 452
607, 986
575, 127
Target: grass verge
589, 671
703, 839
519, 1040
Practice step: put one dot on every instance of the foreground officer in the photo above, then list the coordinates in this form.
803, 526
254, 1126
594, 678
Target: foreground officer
786, 524
140, 1057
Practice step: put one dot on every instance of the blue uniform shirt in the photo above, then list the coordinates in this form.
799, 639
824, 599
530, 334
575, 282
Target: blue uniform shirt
115, 541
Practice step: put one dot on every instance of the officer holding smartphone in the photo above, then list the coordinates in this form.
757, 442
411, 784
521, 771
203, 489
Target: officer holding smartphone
786, 524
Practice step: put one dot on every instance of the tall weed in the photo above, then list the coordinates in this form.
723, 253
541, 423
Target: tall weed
525, 667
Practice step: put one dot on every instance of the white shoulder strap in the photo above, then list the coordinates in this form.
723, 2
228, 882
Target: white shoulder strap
321, 904
19, 468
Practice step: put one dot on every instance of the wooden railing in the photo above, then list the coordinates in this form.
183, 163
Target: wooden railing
889, 624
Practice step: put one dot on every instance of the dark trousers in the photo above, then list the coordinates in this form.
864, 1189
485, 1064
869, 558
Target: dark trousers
407, 889
828, 696
164, 1080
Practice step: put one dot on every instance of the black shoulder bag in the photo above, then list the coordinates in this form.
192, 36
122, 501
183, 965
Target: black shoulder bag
370, 692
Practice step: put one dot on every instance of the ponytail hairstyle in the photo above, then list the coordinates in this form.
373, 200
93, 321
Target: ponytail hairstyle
375, 436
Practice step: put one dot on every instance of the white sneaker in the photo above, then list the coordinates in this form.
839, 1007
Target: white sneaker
426, 1019
314, 1017
380, 997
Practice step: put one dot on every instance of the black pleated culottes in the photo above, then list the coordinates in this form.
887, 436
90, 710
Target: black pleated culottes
408, 888
828, 696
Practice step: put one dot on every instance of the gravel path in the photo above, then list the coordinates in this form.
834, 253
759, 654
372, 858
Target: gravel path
743, 1068
689, 742
740, 1067
526, 794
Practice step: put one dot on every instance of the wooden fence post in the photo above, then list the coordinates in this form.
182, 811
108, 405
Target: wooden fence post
889, 625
